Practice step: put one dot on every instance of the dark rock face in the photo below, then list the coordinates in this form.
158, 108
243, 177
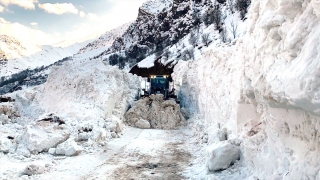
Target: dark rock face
153, 32
221, 1
6, 99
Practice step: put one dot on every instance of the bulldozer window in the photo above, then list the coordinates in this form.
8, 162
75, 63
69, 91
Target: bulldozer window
162, 81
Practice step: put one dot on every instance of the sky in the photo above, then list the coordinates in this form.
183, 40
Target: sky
63, 20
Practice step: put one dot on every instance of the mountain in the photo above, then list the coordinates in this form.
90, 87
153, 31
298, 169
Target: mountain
102, 43
163, 23
11, 48
155, 6
18, 56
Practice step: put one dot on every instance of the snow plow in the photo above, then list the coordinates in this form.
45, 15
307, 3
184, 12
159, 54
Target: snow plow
157, 80
159, 108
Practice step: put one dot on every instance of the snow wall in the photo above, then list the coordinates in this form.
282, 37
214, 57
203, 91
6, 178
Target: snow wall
265, 89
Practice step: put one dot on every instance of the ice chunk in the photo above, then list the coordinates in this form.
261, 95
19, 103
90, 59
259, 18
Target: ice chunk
221, 155
5, 145
23, 151
69, 148
143, 124
44, 135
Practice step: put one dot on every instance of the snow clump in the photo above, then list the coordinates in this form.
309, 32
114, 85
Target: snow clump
68, 148
33, 169
43, 135
221, 155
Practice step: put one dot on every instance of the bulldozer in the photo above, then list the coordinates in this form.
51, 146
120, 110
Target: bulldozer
159, 84
157, 80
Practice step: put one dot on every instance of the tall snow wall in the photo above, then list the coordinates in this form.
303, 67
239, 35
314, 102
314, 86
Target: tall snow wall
265, 90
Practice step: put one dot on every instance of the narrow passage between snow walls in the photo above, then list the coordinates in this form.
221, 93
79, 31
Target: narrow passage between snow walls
73, 127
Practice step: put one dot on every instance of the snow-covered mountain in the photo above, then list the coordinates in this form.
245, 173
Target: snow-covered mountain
17, 55
21, 55
102, 43
161, 24
12, 48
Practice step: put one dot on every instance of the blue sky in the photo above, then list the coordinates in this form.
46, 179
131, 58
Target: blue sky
68, 19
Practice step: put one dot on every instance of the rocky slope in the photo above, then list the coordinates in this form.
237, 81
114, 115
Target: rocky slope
155, 29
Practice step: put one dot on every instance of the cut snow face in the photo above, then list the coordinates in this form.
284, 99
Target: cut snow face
154, 112
264, 90
85, 91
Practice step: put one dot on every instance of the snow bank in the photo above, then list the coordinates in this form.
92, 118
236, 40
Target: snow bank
87, 91
264, 90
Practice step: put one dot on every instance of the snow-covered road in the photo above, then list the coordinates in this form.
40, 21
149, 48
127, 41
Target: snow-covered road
138, 154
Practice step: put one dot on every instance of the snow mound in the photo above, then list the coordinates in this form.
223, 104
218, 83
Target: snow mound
154, 112
85, 101
87, 91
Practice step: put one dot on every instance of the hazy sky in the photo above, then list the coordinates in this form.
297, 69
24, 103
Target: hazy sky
65, 19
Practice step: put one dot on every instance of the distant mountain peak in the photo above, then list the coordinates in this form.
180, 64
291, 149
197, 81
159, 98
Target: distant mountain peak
105, 40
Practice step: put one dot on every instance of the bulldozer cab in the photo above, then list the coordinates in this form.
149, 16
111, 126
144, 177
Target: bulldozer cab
159, 84
156, 79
